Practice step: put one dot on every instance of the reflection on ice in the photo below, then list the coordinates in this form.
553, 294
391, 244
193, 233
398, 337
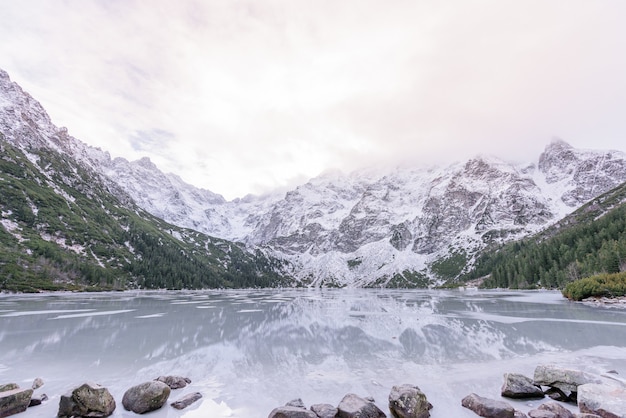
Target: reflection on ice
249, 351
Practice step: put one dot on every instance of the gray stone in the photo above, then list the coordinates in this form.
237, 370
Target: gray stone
520, 414
174, 382
488, 408
566, 380
14, 401
558, 395
519, 386
353, 406
9, 386
604, 400
408, 401
550, 410
146, 397
324, 410
297, 403
186, 400
37, 383
586, 415
38, 400
291, 412
87, 400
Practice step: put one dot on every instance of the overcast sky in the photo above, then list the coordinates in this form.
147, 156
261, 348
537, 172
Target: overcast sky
244, 96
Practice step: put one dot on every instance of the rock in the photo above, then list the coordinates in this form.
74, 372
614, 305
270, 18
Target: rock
604, 400
291, 412
297, 403
9, 386
87, 400
37, 383
488, 408
566, 380
519, 386
558, 395
586, 415
13, 401
550, 410
37, 400
520, 414
353, 406
324, 410
174, 382
186, 400
408, 401
146, 397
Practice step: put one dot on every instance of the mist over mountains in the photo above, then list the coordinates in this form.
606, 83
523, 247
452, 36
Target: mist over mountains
403, 226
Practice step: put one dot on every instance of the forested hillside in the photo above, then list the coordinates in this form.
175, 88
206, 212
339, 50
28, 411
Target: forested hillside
62, 228
592, 240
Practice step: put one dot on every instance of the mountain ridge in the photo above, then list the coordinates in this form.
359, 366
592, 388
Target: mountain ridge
375, 227
65, 225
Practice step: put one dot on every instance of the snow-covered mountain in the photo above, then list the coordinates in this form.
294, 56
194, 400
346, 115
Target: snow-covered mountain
371, 227
391, 227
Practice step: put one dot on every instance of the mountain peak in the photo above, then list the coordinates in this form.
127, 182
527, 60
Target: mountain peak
558, 144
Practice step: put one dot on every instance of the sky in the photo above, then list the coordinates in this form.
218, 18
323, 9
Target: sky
249, 96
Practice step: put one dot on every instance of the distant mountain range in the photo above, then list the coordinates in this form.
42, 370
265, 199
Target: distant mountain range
407, 226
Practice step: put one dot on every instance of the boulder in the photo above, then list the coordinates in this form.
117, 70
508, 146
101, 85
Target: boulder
38, 400
146, 397
488, 408
87, 400
174, 382
9, 386
186, 400
324, 410
558, 395
519, 386
550, 410
604, 400
353, 406
37, 383
408, 401
586, 415
15, 400
291, 412
566, 380
298, 403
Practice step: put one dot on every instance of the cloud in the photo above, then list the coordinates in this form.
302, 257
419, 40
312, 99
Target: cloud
243, 96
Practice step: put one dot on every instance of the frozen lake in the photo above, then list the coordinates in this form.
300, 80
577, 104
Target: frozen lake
250, 351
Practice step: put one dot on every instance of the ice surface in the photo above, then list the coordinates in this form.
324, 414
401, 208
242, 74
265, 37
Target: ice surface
255, 350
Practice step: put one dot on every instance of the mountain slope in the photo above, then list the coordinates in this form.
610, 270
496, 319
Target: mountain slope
394, 227
407, 226
64, 225
589, 241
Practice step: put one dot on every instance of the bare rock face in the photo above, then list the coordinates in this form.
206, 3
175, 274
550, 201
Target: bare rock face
146, 397
14, 400
603, 400
87, 400
408, 401
519, 386
488, 408
353, 406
